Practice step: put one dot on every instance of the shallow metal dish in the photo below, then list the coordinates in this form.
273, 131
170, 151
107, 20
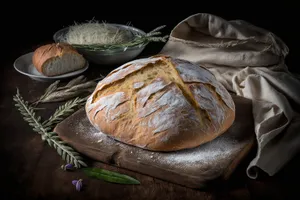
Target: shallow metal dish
110, 57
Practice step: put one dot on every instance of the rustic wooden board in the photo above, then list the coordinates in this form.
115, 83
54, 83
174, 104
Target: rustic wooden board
192, 168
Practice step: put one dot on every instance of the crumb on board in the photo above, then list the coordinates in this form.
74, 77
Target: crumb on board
99, 141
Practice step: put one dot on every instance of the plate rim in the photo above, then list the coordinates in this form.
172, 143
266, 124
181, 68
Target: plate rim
67, 75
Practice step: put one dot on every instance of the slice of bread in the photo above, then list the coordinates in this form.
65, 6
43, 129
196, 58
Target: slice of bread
57, 59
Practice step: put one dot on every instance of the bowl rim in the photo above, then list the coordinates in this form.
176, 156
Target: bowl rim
118, 50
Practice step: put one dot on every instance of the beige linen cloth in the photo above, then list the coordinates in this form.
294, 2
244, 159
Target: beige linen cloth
248, 61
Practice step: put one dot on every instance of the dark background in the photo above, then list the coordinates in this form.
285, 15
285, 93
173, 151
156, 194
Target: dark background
27, 24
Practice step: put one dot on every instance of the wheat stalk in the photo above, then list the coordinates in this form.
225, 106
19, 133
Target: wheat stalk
66, 152
73, 82
73, 89
53, 87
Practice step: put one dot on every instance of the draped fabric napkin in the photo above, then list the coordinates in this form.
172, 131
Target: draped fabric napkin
249, 61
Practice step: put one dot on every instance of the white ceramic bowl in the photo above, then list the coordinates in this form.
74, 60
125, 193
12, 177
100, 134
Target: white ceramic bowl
110, 57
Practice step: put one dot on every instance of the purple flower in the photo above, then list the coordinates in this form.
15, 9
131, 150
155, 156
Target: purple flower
78, 184
67, 167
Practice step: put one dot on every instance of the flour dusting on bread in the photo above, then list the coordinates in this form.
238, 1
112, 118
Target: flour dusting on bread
110, 103
144, 94
138, 85
210, 104
192, 73
125, 70
173, 102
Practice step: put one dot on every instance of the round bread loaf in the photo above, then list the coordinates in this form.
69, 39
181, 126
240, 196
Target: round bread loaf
161, 104
57, 59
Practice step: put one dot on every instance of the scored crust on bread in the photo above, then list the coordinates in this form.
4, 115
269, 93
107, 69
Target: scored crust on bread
57, 59
161, 104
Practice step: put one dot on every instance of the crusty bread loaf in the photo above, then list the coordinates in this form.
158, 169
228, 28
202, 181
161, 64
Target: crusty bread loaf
161, 104
57, 59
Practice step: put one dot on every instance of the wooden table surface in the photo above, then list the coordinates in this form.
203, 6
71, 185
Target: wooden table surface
31, 169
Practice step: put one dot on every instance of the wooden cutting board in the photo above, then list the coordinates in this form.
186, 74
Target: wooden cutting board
193, 168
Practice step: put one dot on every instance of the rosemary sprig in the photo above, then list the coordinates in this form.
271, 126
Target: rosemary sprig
138, 41
64, 111
66, 152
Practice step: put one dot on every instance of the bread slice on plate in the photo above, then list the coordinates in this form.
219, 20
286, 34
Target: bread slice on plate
57, 59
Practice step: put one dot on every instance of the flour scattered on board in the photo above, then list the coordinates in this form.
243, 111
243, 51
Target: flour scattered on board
206, 155
91, 134
208, 160
100, 138
81, 128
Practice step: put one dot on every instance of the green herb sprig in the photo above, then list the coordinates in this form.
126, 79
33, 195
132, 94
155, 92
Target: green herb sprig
138, 41
45, 128
66, 152
64, 111
110, 176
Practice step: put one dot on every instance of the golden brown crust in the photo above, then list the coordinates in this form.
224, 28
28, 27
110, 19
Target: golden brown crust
161, 104
50, 51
